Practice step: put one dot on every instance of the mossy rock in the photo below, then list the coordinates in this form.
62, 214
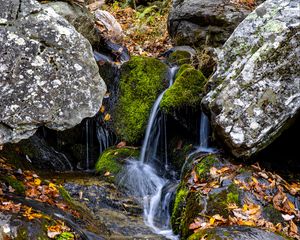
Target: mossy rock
142, 80
178, 207
17, 185
112, 160
218, 202
187, 90
180, 57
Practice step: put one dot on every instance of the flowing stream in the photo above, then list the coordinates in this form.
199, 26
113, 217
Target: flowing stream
146, 178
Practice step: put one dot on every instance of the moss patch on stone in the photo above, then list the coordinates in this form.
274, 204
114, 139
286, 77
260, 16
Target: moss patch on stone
142, 80
111, 159
179, 206
180, 58
202, 168
218, 202
187, 90
17, 185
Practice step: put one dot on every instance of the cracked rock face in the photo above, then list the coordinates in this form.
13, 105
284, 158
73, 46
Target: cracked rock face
48, 75
258, 79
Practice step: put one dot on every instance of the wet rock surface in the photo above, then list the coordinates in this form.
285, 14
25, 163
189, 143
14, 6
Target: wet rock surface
196, 23
48, 73
121, 214
256, 86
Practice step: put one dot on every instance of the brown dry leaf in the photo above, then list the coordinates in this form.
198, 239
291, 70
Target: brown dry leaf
195, 177
223, 170
121, 144
293, 227
213, 171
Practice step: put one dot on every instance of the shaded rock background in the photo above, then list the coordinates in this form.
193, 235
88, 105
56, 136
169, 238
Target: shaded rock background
256, 87
205, 22
40, 83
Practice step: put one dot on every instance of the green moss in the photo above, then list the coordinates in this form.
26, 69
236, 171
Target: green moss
15, 184
65, 195
142, 80
193, 207
187, 90
218, 202
179, 206
65, 236
180, 57
208, 234
202, 168
112, 159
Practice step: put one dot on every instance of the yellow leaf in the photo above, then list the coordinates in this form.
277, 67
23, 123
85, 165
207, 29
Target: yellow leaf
291, 205
107, 117
52, 185
254, 180
102, 109
37, 181
212, 220
248, 223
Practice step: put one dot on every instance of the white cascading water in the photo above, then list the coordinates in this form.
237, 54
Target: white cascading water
143, 180
203, 137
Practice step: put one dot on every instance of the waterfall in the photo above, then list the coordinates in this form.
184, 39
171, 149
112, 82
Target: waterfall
144, 181
204, 132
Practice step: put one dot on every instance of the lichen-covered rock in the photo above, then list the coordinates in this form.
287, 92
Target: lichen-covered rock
48, 73
79, 17
199, 22
142, 80
258, 90
187, 90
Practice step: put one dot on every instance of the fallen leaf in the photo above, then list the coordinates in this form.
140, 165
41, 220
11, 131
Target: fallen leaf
107, 117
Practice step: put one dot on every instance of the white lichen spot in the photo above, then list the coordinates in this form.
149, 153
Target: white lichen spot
237, 135
254, 125
41, 83
18, 40
30, 72
56, 83
3, 21
38, 61
257, 111
228, 129
14, 107
238, 102
77, 67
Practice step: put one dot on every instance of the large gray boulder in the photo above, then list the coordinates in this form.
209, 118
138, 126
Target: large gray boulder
48, 75
199, 22
258, 78
79, 17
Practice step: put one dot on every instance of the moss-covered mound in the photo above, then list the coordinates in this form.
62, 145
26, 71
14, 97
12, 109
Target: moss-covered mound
112, 160
142, 80
187, 90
